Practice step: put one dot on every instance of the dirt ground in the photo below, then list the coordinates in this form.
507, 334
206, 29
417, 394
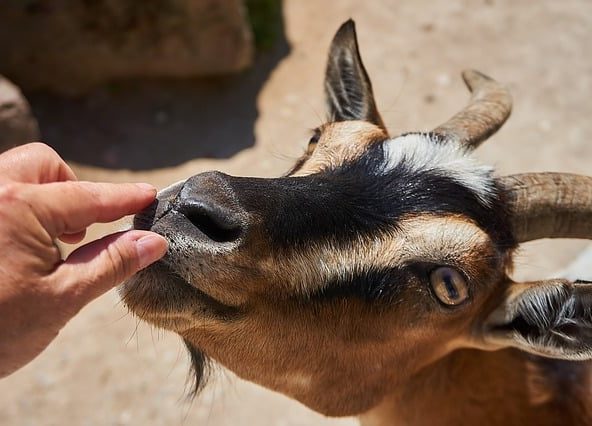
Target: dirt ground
105, 368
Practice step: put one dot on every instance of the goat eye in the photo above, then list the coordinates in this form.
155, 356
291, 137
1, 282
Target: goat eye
449, 286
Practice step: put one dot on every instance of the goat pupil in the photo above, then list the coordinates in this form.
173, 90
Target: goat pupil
450, 287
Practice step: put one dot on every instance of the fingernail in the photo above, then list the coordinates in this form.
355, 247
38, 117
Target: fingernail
150, 248
146, 187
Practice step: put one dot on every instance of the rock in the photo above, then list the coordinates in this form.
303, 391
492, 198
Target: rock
17, 124
69, 46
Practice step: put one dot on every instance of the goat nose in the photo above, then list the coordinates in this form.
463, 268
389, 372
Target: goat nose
215, 222
209, 204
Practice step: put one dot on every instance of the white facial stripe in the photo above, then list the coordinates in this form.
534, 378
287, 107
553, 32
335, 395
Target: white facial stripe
420, 153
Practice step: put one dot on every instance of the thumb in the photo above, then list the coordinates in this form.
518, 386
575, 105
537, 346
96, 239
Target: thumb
95, 268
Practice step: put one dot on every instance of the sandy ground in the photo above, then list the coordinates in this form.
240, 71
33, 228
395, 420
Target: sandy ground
104, 368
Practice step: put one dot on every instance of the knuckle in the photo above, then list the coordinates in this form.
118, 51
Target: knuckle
120, 261
16, 213
41, 150
69, 288
36, 151
95, 194
10, 192
63, 297
51, 165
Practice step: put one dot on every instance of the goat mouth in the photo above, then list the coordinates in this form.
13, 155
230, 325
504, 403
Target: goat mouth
160, 296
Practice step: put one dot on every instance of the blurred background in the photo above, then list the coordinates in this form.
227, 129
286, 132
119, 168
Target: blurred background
159, 90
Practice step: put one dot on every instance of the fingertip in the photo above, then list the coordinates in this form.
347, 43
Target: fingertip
96, 267
150, 247
146, 187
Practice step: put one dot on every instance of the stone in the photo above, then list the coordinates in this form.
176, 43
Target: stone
70, 46
17, 124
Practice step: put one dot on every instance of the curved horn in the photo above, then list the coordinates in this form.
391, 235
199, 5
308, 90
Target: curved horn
549, 205
488, 109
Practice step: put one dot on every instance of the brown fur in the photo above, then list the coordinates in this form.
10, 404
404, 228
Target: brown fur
275, 335
487, 388
338, 143
400, 361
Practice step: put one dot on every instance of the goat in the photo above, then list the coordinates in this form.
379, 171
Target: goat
373, 278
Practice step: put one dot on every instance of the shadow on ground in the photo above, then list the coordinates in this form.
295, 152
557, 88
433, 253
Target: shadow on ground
141, 125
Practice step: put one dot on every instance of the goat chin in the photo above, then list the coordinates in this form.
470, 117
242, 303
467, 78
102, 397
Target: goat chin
159, 300
152, 300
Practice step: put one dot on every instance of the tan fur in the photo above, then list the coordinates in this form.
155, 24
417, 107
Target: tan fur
450, 239
340, 142
471, 387
362, 358
399, 363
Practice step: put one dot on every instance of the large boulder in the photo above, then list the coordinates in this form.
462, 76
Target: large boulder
69, 46
17, 124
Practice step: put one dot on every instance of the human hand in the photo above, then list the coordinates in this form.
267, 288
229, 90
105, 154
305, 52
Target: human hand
41, 200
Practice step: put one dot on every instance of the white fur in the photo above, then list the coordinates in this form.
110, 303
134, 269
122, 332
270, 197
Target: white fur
418, 152
170, 186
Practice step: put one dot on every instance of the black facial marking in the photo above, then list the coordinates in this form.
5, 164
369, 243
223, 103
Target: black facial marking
200, 368
357, 199
375, 284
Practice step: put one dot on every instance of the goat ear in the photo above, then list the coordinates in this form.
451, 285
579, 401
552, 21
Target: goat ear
348, 90
550, 318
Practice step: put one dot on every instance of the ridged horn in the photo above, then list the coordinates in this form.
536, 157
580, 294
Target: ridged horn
488, 109
549, 205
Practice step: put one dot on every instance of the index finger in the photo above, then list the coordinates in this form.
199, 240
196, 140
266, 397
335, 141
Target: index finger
34, 163
69, 207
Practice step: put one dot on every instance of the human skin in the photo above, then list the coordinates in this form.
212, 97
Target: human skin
41, 201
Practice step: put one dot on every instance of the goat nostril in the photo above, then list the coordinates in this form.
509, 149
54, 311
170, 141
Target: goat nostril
214, 222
